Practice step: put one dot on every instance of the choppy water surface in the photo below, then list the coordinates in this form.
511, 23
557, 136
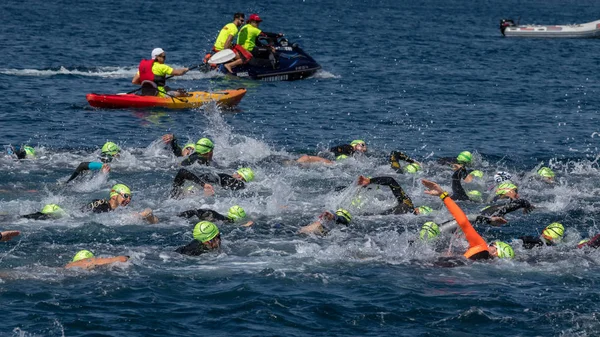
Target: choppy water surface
430, 78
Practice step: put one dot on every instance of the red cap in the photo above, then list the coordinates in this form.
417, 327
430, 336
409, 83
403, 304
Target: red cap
254, 17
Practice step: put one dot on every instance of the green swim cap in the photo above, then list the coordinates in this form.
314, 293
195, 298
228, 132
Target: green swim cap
205, 231
53, 209
236, 213
505, 188
554, 231
429, 231
412, 168
204, 146
82, 254
357, 142
110, 148
344, 214
505, 251
546, 172
464, 157
246, 173
477, 174
475, 196
341, 157
583, 241
119, 189
29, 151
424, 210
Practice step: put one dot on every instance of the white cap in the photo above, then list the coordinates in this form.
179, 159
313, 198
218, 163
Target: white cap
156, 52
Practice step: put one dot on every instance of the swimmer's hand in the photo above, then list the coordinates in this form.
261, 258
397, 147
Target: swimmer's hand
8, 235
432, 188
105, 168
497, 221
528, 210
363, 181
248, 224
149, 216
167, 138
208, 190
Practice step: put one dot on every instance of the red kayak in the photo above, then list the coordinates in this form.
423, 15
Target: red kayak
195, 99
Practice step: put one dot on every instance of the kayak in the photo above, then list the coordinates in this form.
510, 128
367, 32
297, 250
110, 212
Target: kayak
585, 30
195, 99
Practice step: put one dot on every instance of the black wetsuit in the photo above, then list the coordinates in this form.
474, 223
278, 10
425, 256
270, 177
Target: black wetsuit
37, 216
500, 210
196, 158
405, 204
97, 206
395, 156
85, 166
224, 180
205, 215
458, 192
177, 150
346, 149
193, 248
530, 242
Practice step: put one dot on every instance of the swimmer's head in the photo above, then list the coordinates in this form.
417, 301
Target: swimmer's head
359, 145
121, 191
477, 174
475, 196
82, 254
54, 210
554, 232
546, 173
188, 149
344, 214
464, 157
246, 173
506, 188
205, 231
236, 213
29, 151
429, 231
424, 210
412, 168
204, 146
502, 250
110, 149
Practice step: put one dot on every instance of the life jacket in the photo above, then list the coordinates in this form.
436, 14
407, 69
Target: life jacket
146, 74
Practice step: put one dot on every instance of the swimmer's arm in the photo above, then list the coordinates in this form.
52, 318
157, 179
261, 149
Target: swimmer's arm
8, 235
96, 261
148, 216
345, 149
85, 166
397, 190
37, 216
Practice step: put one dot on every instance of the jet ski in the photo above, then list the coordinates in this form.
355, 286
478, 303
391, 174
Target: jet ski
288, 63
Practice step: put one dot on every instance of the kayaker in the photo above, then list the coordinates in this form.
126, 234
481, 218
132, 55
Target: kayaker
340, 152
478, 248
155, 70
246, 47
228, 33
233, 181
328, 218
86, 260
234, 214
8, 235
120, 195
201, 152
206, 238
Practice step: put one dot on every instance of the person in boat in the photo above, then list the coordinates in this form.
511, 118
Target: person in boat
325, 222
404, 205
340, 152
478, 248
551, 235
154, 72
201, 152
228, 33
8, 235
86, 260
20, 152
247, 42
120, 195
108, 152
48, 212
206, 238
235, 181
234, 214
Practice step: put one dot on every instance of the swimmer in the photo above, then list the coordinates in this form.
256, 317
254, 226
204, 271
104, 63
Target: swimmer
494, 215
323, 225
235, 214
8, 235
478, 248
462, 173
20, 152
235, 181
340, 152
108, 152
48, 212
405, 204
120, 195
206, 238
86, 260
178, 151
551, 235
593, 242
546, 174
396, 156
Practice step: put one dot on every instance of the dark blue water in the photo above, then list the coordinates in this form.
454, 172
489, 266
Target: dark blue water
430, 78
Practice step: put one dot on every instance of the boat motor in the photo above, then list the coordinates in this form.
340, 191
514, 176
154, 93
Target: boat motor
506, 23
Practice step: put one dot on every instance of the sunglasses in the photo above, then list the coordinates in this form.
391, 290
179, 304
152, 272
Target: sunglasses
163, 56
